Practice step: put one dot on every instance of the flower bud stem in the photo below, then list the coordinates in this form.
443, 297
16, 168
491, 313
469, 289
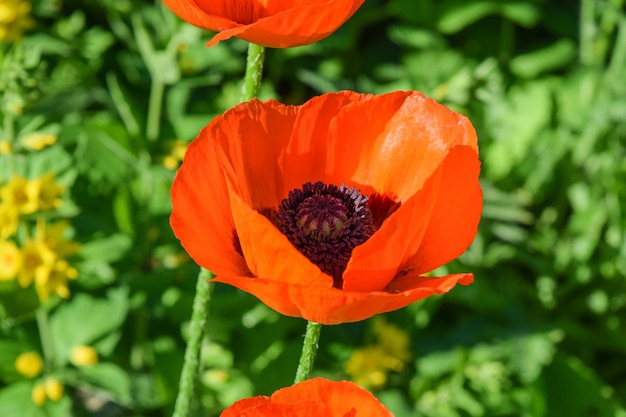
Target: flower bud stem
254, 72
191, 364
309, 349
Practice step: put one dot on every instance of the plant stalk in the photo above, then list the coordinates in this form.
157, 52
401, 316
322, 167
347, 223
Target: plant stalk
191, 365
309, 349
254, 72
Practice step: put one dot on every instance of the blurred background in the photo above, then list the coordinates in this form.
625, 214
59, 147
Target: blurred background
98, 102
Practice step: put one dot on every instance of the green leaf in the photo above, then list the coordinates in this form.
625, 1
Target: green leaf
109, 377
108, 249
103, 151
572, 389
515, 125
457, 15
85, 319
523, 13
552, 57
123, 211
9, 351
15, 400
126, 108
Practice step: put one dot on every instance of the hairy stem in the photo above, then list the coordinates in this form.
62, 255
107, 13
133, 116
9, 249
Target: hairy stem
191, 365
254, 72
309, 349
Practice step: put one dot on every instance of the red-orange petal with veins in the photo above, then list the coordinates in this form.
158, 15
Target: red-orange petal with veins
316, 397
272, 23
334, 306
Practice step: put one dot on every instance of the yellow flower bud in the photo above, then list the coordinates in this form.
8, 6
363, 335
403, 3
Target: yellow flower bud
54, 389
170, 162
83, 356
5, 147
38, 141
29, 364
38, 394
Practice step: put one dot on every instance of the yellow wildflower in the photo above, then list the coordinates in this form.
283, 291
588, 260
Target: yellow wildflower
53, 235
20, 193
5, 147
366, 367
9, 218
29, 364
49, 192
43, 263
38, 394
170, 162
54, 389
392, 340
54, 280
176, 155
10, 260
38, 141
37, 260
83, 356
14, 19
369, 366
179, 147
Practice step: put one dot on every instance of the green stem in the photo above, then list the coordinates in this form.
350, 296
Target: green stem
157, 89
587, 31
200, 312
8, 133
44, 335
309, 349
254, 72
191, 364
618, 56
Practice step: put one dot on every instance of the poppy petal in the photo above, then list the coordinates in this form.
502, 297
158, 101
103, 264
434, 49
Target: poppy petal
240, 406
317, 397
377, 261
190, 12
333, 306
268, 252
205, 229
454, 222
277, 24
245, 155
400, 139
449, 204
341, 398
294, 27
307, 152
356, 135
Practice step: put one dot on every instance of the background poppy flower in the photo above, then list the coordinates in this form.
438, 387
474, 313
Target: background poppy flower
273, 23
259, 201
315, 397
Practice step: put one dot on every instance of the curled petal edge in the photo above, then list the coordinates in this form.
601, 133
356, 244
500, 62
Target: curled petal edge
334, 306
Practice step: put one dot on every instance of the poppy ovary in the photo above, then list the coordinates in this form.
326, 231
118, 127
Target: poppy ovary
325, 223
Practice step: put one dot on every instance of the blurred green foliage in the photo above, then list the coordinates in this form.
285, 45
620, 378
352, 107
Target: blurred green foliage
542, 330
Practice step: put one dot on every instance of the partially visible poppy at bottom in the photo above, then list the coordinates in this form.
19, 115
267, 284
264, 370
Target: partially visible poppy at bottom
315, 397
277, 24
335, 210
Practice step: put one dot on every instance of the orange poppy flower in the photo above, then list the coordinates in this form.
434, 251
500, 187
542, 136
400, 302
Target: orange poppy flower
273, 23
315, 397
335, 210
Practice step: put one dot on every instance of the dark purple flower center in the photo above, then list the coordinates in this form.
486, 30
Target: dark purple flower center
325, 223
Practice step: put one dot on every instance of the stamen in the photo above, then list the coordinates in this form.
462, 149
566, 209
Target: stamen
325, 223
